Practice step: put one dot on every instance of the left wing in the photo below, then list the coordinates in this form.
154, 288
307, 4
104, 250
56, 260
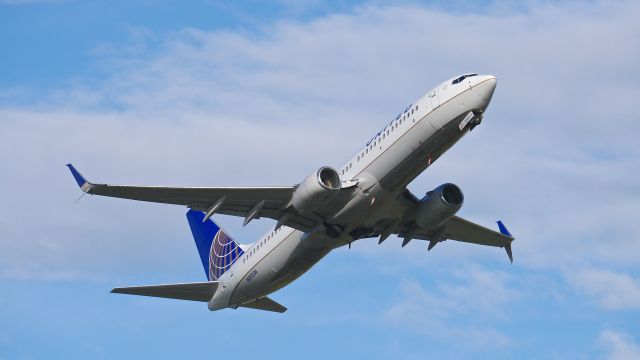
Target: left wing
456, 228
248, 202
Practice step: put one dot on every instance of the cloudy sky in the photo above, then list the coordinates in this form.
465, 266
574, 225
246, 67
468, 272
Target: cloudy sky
218, 93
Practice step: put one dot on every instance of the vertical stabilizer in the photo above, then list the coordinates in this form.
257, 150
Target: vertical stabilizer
216, 249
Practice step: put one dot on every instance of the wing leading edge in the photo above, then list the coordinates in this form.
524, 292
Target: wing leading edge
248, 202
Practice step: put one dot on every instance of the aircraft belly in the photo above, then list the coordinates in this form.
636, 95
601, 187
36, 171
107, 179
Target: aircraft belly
299, 265
286, 262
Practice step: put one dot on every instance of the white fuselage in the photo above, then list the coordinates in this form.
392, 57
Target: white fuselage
382, 169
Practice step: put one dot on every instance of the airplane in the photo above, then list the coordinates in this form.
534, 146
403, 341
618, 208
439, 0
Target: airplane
367, 197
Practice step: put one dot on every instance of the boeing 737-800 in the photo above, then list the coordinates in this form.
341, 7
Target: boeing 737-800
367, 197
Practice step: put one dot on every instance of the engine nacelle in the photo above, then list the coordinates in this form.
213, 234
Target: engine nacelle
316, 189
439, 206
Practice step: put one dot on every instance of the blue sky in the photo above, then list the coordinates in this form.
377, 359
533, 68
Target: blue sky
216, 93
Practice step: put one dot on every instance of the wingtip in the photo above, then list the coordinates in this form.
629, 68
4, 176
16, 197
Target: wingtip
76, 175
503, 229
82, 182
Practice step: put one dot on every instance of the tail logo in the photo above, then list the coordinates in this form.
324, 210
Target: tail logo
222, 254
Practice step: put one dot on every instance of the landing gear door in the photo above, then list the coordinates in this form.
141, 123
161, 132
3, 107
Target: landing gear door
433, 98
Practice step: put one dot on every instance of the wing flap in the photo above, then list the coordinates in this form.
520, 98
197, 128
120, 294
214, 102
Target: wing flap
265, 303
199, 291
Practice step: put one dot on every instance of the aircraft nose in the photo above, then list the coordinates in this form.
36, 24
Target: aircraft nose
488, 82
486, 85
492, 82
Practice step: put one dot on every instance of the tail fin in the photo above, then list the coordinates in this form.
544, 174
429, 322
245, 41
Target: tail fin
217, 250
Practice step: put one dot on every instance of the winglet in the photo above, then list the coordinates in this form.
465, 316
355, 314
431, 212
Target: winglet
82, 182
504, 231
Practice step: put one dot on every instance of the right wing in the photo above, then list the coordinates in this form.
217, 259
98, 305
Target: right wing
456, 228
460, 229
199, 291
248, 202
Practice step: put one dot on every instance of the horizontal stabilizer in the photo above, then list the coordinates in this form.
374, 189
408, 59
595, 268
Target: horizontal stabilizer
199, 291
266, 304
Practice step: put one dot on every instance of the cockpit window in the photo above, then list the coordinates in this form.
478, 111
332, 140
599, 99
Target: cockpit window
458, 80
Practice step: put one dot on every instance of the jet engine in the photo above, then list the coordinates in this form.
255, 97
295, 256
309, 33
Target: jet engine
439, 206
316, 189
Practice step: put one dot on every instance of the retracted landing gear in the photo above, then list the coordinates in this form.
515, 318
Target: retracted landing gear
477, 119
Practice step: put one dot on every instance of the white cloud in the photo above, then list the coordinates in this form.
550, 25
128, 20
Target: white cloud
620, 346
611, 290
473, 295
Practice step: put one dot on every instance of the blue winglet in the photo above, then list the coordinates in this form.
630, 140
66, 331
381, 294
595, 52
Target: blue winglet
85, 186
76, 175
503, 229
